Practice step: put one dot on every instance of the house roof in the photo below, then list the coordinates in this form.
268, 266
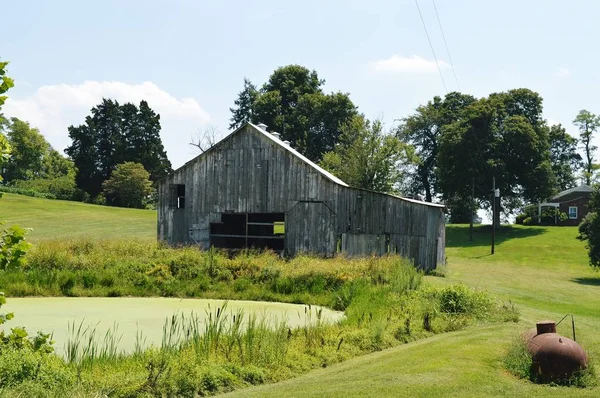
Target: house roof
297, 154
581, 188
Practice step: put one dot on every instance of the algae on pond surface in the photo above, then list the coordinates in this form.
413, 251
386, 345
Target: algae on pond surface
127, 317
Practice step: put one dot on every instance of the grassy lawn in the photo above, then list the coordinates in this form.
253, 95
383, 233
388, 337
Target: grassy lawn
541, 269
59, 219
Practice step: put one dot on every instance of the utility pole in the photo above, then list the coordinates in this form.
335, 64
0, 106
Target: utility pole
493, 213
472, 209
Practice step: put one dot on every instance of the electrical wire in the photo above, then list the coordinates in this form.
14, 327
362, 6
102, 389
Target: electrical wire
446, 44
431, 46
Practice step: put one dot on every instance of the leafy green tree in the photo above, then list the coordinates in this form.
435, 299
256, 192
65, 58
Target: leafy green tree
496, 137
12, 240
112, 135
28, 149
422, 130
292, 103
242, 113
366, 157
564, 157
589, 229
588, 124
5, 84
128, 186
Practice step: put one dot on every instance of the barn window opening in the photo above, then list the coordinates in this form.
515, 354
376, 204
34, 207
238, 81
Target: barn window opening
180, 196
249, 230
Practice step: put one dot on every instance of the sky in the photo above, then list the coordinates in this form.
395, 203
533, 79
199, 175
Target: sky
188, 58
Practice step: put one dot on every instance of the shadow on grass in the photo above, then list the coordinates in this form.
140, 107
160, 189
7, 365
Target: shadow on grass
587, 281
458, 235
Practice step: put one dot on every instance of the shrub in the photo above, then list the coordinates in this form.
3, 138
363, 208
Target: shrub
459, 299
27, 192
520, 218
528, 221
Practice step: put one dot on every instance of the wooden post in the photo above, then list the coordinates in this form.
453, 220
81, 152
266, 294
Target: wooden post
493, 213
472, 209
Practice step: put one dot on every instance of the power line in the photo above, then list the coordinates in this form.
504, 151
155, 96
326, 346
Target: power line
431, 46
446, 44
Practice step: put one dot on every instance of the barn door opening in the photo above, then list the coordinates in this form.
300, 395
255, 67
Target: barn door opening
249, 230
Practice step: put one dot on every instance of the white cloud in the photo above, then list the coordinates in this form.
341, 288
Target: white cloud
412, 64
562, 72
53, 108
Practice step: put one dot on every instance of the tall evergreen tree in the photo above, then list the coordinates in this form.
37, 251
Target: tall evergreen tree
148, 145
242, 113
112, 135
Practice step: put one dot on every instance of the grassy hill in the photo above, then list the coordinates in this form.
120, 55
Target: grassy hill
542, 270
59, 219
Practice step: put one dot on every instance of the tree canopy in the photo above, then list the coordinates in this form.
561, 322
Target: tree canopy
128, 186
29, 148
5, 84
588, 124
564, 158
115, 134
502, 136
292, 102
365, 157
423, 130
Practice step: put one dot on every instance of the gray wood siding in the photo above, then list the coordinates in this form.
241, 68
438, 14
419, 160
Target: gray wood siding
248, 173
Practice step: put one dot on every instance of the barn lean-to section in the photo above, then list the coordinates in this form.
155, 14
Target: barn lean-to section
253, 190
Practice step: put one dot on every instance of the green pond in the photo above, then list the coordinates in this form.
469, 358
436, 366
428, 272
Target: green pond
128, 317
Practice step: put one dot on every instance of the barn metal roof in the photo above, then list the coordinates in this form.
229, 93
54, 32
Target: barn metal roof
324, 172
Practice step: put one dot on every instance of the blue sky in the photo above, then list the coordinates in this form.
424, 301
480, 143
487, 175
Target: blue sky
189, 58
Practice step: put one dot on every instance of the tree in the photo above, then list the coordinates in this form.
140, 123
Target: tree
496, 137
28, 150
112, 135
366, 157
5, 84
242, 113
564, 157
589, 229
422, 130
206, 139
128, 186
292, 102
588, 124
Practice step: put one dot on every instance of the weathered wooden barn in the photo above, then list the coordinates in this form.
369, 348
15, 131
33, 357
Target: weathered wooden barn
252, 189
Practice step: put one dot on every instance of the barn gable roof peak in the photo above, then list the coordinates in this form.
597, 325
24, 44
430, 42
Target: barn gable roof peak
294, 152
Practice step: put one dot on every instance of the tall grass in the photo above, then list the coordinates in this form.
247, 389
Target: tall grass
384, 299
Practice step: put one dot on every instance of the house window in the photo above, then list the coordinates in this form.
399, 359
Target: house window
573, 212
180, 196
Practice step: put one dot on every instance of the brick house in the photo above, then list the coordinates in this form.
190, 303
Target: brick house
573, 202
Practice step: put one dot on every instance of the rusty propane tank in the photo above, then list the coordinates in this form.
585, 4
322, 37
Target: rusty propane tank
555, 357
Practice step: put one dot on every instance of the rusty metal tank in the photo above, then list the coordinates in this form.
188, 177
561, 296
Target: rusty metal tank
555, 357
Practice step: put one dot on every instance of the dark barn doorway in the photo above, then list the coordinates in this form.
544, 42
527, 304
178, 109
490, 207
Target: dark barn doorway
249, 230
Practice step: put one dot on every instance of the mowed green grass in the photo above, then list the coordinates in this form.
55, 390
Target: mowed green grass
543, 270
60, 219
